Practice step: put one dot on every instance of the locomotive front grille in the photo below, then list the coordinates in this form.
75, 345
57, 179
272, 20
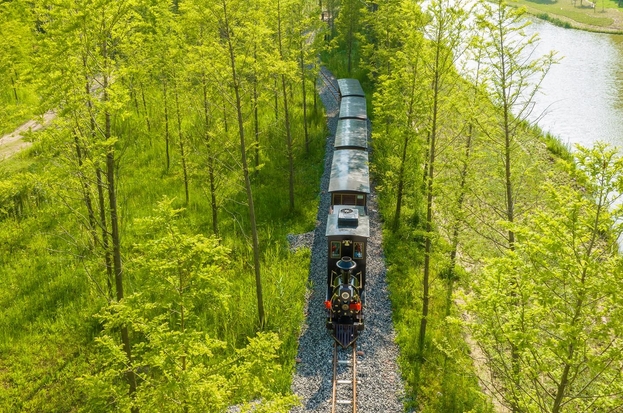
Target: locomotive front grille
345, 334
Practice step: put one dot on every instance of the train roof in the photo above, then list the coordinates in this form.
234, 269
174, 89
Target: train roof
350, 87
353, 107
349, 171
348, 220
351, 133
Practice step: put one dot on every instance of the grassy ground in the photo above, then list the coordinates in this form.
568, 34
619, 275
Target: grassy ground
598, 16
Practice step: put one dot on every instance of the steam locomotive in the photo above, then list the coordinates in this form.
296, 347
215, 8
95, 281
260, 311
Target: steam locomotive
348, 224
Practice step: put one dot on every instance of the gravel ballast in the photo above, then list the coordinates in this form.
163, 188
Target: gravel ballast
380, 386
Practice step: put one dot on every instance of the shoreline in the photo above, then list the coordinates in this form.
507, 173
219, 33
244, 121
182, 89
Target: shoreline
616, 15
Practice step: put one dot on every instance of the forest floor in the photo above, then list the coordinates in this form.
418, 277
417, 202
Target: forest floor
604, 16
13, 142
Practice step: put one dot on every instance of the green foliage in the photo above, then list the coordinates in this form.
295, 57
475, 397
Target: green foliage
554, 20
51, 248
446, 381
18, 101
186, 283
555, 299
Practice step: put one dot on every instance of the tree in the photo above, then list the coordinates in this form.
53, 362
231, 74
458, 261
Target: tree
15, 41
180, 364
85, 43
348, 26
513, 77
388, 25
286, 112
402, 114
233, 29
561, 324
469, 109
446, 31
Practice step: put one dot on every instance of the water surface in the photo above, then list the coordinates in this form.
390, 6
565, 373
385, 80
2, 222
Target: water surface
581, 99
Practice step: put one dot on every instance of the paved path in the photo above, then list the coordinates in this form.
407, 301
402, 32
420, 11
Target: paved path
14, 142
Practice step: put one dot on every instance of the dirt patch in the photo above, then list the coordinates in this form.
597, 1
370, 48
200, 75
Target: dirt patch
13, 142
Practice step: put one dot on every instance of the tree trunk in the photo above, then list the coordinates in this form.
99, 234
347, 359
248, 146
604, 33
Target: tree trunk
256, 119
14, 87
145, 109
304, 98
403, 159
286, 115
276, 100
181, 142
429, 202
86, 191
166, 123
100, 193
114, 223
208, 141
105, 233
457, 222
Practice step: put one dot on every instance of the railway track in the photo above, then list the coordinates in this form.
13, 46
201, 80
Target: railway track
329, 83
344, 394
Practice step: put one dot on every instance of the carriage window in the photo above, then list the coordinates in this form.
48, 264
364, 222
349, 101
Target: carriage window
345, 199
358, 251
336, 247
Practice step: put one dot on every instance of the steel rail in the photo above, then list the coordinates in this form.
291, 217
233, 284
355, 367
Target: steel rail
334, 91
353, 381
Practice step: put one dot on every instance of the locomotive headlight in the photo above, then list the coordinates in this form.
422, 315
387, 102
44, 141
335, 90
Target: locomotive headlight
345, 295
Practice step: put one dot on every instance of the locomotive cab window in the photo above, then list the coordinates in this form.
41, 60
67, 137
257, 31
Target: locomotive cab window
358, 251
336, 249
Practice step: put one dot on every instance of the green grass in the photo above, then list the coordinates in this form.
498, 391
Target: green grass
14, 113
50, 278
604, 15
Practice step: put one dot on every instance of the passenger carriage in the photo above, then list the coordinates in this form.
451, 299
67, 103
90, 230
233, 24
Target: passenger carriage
350, 178
353, 107
351, 134
350, 87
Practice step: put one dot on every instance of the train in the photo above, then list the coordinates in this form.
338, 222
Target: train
348, 223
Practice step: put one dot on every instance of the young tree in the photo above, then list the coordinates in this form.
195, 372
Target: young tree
84, 42
388, 26
561, 324
446, 31
513, 77
348, 28
401, 115
470, 109
15, 41
182, 366
285, 72
233, 28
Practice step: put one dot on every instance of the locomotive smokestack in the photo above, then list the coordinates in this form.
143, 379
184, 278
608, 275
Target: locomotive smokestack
346, 264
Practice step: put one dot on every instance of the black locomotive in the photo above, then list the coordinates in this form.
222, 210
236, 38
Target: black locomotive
348, 224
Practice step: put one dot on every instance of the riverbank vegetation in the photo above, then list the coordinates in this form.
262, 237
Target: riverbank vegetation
144, 265
492, 231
